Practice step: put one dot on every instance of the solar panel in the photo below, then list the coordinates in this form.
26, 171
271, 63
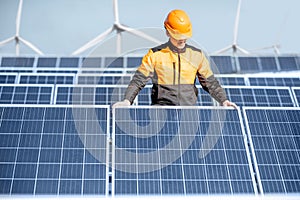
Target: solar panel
53, 150
268, 63
17, 62
134, 62
296, 93
8, 77
260, 96
274, 81
47, 62
275, 142
26, 94
104, 79
89, 94
91, 62
231, 80
241, 95
222, 64
180, 150
248, 64
72, 71
287, 63
69, 62
144, 97
114, 62
46, 78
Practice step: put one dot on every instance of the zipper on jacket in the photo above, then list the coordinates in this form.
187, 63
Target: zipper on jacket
179, 71
174, 73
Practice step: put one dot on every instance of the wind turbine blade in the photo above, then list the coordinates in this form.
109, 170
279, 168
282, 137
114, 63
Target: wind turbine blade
262, 48
223, 50
93, 42
276, 46
139, 34
242, 50
116, 11
236, 25
18, 19
7, 41
34, 48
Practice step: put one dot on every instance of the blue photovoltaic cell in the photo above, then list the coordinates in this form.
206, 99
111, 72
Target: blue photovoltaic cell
46, 79
144, 96
231, 80
274, 81
17, 62
275, 141
258, 96
248, 64
114, 62
94, 95
69, 62
168, 151
91, 62
46, 62
242, 96
7, 78
42, 151
134, 62
24, 94
222, 64
268, 64
287, 63
296, 92
104, 79
204, 99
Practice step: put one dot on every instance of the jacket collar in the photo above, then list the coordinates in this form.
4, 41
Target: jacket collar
175, 49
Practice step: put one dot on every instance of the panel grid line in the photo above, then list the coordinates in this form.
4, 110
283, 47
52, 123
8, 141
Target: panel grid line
16, 155
39, 154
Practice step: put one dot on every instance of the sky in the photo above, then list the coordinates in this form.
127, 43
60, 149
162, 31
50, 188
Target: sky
59, 27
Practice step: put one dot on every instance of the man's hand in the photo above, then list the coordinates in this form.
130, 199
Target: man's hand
121, 103
228, 103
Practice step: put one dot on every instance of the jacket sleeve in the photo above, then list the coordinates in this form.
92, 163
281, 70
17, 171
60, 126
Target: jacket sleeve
208, 81
212, 86
142, 75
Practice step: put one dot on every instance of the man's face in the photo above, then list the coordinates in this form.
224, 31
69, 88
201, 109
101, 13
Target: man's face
180, 44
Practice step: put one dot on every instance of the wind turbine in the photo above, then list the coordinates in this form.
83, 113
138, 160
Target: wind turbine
119, 28
235, 48
277, 45
17, 38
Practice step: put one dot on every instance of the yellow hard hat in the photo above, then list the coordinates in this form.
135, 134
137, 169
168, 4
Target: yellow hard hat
178, 25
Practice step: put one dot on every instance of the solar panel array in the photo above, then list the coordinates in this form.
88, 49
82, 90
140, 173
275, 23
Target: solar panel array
43, 152
275, 142
58, 135
166, 158
222, 64
26, 94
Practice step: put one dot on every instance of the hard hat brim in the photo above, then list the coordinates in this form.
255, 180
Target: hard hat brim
179, 36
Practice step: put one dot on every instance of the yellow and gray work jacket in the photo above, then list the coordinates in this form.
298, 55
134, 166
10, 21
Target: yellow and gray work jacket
173, 73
